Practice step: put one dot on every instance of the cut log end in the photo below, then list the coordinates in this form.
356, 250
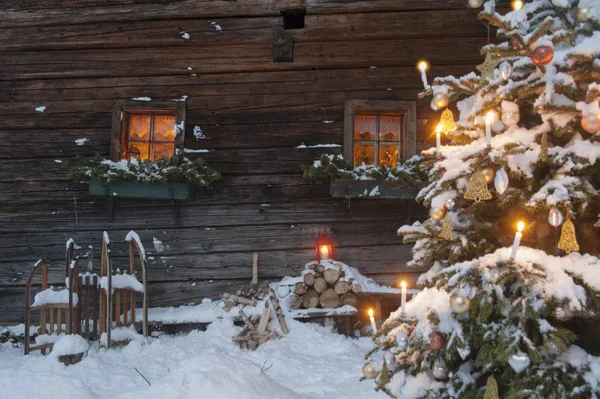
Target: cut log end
309, 279
329, 299
331, 276
310, 299
320, 285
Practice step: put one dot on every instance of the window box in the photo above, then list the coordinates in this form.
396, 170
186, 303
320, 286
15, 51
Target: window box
384, 189
132, 189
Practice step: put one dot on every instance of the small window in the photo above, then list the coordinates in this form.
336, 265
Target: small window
293, 18
379, 133
147, 130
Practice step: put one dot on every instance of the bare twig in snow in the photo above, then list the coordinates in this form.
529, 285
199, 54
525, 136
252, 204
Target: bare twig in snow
138, 371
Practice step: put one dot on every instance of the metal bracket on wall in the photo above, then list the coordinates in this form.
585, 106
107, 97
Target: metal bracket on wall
110, 205
176, 207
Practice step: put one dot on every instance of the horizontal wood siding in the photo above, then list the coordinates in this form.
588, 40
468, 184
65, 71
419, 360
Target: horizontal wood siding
78, 57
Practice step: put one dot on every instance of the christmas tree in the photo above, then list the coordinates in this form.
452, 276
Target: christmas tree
518, 184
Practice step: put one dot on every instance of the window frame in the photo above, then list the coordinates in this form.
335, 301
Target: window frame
119, 121
408, 133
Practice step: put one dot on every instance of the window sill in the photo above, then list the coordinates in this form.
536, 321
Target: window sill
132, 189
378, 189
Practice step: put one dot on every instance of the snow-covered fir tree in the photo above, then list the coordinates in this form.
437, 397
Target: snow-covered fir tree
491, 322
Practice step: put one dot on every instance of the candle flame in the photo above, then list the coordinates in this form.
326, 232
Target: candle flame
371, 313
439, 128
520, 226
489, 117
423, 65
403, 284
517, 5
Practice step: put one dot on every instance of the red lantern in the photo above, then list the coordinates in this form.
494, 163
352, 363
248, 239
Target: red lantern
324, 247
542, 55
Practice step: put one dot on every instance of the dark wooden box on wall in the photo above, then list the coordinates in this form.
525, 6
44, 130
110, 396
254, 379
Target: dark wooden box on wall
257, 81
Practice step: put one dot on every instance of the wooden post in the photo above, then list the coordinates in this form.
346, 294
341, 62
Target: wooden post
86, 306
255, 269
76, 319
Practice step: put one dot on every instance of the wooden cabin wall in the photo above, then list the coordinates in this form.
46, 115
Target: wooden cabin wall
77, 57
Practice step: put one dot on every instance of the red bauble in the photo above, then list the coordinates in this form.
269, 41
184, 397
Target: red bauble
542, 55
436, 341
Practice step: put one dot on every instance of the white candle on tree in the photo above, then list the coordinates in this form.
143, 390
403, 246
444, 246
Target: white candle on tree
438, 137
423, 68
372, 318
489, 118
517, 241
403, 304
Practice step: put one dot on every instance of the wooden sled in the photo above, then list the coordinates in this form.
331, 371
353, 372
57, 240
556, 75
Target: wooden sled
118, 292
55, 307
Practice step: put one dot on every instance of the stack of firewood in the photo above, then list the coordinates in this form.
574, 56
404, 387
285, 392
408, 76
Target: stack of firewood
248, 297
256, 329
324, 288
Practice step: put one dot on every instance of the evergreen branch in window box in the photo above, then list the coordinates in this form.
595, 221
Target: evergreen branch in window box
335, 167
177, 169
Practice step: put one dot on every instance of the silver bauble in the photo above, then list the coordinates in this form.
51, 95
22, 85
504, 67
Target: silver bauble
370, 371
437, 213
440, 370
459, 303
434, 107
505, 70
501, 181
440, 100
555, 218
583, 13
591, 123
401, 340
519, 361
510, 118
475, 3
553, 349
450, 204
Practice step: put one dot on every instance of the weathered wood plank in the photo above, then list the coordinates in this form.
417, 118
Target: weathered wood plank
130, 215
78, 11
163, 33
391, 25
173, 87
174, 242
133, 34
234, 58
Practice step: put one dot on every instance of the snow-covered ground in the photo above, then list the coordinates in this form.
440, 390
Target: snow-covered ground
310, 362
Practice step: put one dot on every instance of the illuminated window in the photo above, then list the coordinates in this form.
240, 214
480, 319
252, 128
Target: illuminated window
152, 136
379, 133
147, 130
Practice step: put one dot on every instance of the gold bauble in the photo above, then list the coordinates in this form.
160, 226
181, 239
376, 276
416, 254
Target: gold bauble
583, 14
459, 303
489, 174
437, 213
559, 176
440, 100
591, 123
370, 371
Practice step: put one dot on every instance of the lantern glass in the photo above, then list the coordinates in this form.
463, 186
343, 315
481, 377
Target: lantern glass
324, 247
